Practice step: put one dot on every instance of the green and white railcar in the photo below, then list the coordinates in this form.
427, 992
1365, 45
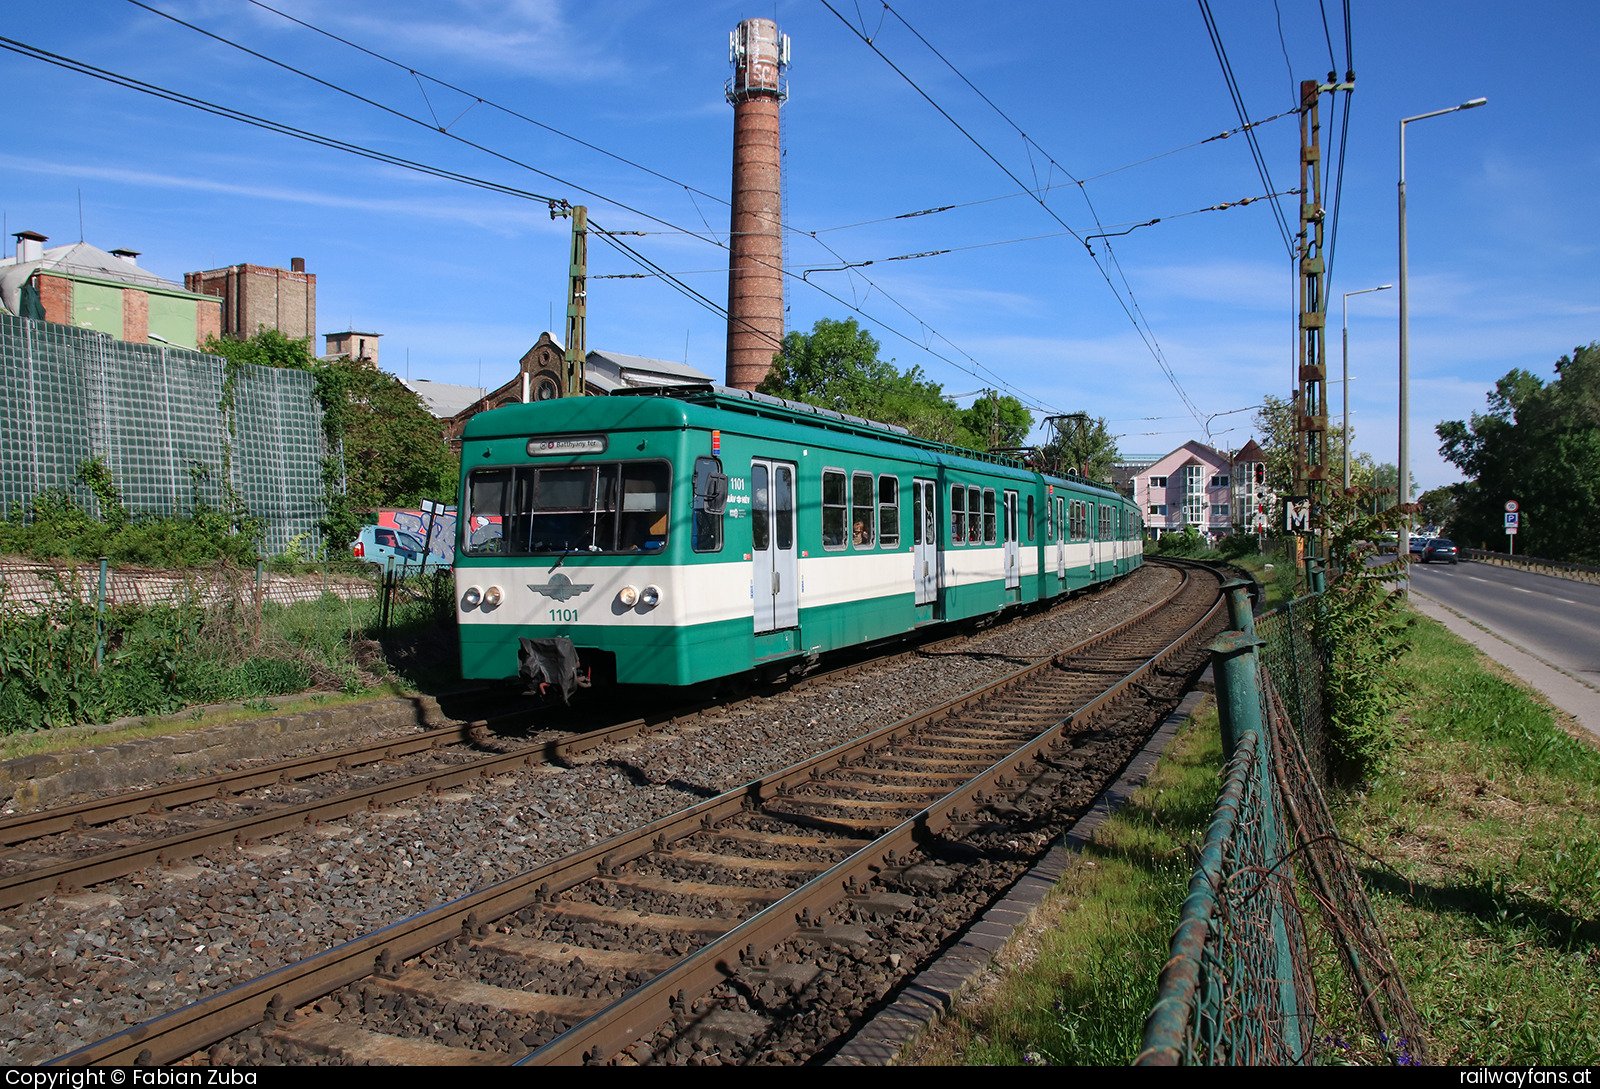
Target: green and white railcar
681, 536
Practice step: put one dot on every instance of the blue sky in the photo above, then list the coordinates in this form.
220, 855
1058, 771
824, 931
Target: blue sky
1503, 224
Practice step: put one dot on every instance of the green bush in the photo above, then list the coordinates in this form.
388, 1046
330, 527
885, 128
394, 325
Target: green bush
1361, 629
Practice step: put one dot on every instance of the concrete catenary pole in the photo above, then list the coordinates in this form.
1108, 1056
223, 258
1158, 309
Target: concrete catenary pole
755, 244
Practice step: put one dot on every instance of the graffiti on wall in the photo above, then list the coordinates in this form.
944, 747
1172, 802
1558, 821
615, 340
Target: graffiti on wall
442, 536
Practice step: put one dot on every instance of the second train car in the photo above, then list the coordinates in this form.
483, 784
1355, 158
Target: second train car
680, 536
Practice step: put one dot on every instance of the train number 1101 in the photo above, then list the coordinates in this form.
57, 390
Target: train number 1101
563, 614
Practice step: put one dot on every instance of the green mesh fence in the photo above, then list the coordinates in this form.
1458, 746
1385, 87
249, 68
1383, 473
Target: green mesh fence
1294, 658
1239, 987
154, 415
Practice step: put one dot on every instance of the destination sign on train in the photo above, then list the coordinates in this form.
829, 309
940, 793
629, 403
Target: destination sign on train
566, 444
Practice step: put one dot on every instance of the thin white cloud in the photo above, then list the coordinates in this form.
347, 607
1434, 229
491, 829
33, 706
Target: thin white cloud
497, 215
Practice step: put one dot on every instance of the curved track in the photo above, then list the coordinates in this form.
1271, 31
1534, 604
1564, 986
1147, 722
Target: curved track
727, 925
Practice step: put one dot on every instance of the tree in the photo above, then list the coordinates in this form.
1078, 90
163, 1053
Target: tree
836, 366
1082, 445
1280, 439
1539, 444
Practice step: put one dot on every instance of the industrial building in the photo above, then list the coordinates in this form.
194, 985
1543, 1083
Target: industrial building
89, 288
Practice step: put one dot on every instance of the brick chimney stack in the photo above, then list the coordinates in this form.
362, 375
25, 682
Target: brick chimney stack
755, 244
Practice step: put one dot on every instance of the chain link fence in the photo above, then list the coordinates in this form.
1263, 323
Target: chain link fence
1240, 986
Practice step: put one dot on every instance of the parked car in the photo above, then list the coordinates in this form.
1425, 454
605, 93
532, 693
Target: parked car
1438, 548
1418, 546
381, 544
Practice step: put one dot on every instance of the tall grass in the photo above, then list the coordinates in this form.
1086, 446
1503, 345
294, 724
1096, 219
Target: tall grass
163, 658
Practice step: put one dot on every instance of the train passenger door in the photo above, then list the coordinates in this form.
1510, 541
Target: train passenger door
925, 540
1013, 558
775, 575
1092, 518
1061, 538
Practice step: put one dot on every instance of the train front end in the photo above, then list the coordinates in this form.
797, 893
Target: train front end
577, 561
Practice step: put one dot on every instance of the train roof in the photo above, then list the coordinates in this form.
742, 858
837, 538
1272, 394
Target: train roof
647, 408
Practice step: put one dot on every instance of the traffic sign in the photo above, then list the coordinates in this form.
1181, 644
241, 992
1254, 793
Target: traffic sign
1511, 531
1511, 520
1511, 506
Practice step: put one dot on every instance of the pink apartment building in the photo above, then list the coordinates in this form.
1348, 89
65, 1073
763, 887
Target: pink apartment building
1203, 487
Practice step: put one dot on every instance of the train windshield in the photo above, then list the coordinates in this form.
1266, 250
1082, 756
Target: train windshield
528, 511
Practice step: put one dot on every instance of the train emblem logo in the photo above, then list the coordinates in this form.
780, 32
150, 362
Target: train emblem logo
561, 588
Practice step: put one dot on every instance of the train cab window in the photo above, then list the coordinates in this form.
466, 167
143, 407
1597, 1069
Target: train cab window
958, 515
642, 525
619, 507
834, 510
710, 501
862, 522
889, 512
988, 516
974, 519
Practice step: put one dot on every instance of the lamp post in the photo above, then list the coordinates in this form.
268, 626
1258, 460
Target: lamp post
1405, 326
1346, 375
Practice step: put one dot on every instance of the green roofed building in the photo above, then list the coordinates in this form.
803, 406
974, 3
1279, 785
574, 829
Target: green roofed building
89, 288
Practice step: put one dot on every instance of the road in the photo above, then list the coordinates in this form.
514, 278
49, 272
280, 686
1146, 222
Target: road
1556, 619
1545, 629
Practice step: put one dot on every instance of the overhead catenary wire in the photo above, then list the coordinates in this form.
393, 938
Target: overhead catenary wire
713, 239
1135, 317
1244, 119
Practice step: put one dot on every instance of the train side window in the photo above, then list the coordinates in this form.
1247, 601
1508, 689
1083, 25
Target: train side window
988, 516
889, 511
710, 500
783, 511
958, 515
833, 509
760, 533
974, 519
916, 513
1029, 527
861, 512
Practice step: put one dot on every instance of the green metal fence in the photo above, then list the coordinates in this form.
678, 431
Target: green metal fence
155, 416
1239, 988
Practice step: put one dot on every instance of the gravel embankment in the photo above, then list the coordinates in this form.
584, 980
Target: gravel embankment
76, 969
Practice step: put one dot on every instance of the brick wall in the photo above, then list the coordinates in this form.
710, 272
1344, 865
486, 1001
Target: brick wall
254, 297
207, 319
136, 316
55, 296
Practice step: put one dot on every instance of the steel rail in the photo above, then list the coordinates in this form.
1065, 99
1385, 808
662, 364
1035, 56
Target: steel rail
183, 1031
75, 873
642, 1011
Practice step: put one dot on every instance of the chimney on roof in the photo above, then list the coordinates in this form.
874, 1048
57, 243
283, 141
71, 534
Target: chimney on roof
130, 256
30, 245
297, 264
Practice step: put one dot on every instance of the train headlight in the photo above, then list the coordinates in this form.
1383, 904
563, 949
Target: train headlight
471, 598
649, 597
629, 596
492, 597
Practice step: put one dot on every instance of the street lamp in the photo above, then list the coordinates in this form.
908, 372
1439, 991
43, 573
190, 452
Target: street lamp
1346, 376
1405, 326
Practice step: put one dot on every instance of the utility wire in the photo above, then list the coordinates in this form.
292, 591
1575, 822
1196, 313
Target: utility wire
1047, 188
335, 144
1142, 329
443, 130
1244, 119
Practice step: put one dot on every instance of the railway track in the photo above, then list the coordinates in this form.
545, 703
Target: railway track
169, 828
744, 928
